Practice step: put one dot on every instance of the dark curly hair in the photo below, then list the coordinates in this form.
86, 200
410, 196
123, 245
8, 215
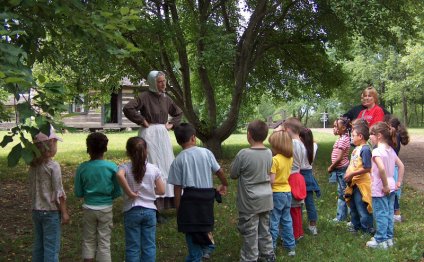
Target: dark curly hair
96, 144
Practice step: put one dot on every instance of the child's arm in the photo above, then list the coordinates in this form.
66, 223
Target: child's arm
350, 175
78, 191
159, 186
382, 173
272, 178
222, 189
401, 173
177, 196
63, 210
234, 170
117, 191
124, 184
336, 161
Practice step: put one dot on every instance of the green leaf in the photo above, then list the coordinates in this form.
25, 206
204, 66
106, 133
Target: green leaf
27, 155
6, 140
41, 78
124, 10
14, 156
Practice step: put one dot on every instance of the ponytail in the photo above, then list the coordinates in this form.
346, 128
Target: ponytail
137, 152
307, 139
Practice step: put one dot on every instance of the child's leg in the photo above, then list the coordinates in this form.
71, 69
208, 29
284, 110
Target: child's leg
310, 208
248, 228
104, 230
148, 235
265, 241
51, 235
296, 214
355, 218
390, 226
365, 218
37, 246
89, 231
195, 252
341, 203
132, 220
275, 217
381, 213
287, 223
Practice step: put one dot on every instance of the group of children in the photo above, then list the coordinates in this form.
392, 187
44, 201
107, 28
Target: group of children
99, 182
273, 185
370, 182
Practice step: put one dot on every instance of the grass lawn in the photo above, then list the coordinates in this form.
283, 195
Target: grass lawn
333, 242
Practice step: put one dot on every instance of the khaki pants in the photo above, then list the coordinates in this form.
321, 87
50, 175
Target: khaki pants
97, 228
257, 240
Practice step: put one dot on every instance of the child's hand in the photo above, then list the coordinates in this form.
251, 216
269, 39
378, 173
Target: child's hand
386, 190
132, 195
398, 185
65, 218
347, 177
330, 169
222, 189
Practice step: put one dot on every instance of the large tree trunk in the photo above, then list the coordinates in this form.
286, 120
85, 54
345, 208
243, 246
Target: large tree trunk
214, 144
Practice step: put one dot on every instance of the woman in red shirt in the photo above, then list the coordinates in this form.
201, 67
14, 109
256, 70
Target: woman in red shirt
373, 113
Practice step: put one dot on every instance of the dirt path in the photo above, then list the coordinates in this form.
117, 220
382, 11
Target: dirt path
412, 155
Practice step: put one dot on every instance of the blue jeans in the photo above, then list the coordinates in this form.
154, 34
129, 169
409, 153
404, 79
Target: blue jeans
360, 217
196, 251
310, 206
383, 208
46, 245
140, 234
341, 186
280, 215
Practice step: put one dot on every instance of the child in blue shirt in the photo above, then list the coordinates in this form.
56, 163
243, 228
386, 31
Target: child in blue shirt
96, 182
192, 171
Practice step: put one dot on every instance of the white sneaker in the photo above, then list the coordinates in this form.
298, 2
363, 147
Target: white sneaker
349, 224
374, 244
291, 253
313, 230
397, 218
390, 242
335, 220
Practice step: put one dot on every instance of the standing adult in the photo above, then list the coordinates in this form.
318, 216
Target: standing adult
373, 112
150, 110
355, 111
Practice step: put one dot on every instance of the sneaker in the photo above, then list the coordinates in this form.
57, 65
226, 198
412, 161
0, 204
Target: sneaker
349, 224
352, 230
390, 242
291, 253
374, 244
335, 220
268, 258
313, 230
397, 218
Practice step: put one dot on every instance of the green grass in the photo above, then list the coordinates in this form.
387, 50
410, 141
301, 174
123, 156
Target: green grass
333, 242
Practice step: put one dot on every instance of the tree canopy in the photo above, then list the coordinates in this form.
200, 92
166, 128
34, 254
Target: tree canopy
220, 57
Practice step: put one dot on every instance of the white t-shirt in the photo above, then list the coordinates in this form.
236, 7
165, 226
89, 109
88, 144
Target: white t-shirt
145, 190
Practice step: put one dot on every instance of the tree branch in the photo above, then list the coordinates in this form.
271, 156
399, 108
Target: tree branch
242, 67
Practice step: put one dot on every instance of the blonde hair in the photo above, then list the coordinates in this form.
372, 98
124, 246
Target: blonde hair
371, 90
281, 143
46, 150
